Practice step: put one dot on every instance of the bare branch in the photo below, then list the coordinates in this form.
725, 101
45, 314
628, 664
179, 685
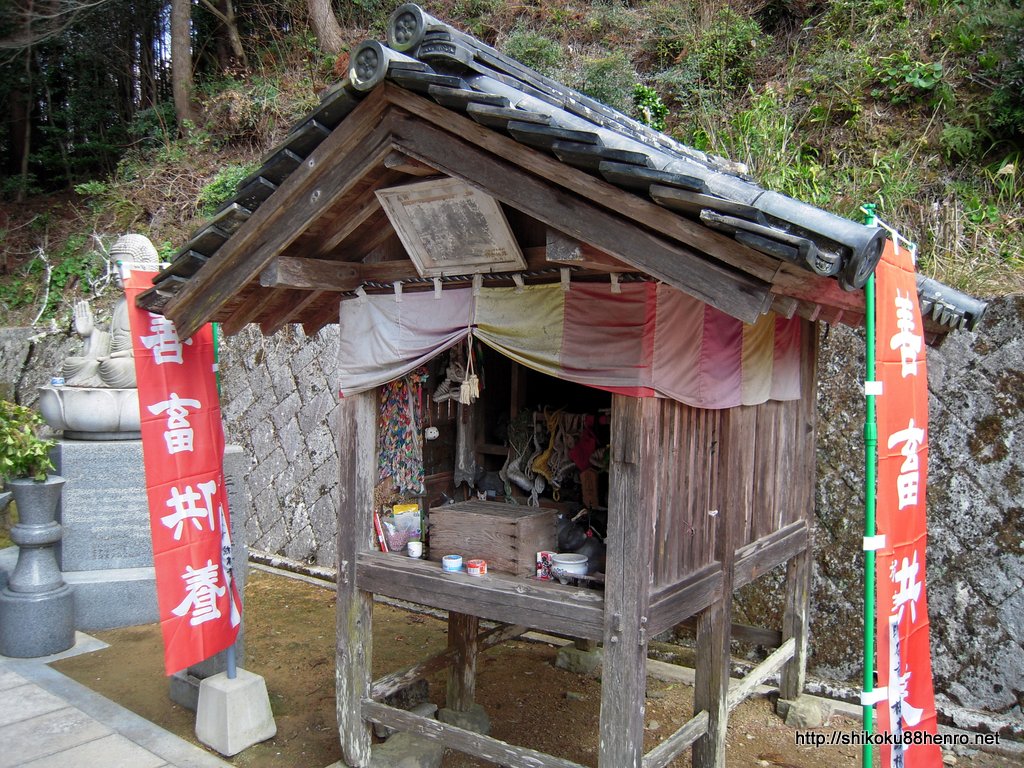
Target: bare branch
38, 27
215, 11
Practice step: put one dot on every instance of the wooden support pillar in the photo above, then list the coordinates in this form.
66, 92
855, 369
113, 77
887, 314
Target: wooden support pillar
632, 503
736, 483
799, 568
462, 639
357, 454
795, 623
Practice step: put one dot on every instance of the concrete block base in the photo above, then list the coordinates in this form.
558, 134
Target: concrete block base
184, 685
184, 690
234, 714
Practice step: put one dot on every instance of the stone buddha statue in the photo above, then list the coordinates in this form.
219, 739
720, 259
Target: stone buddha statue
106, 359
99, 399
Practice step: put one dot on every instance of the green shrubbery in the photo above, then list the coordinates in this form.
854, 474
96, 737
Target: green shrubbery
23, 454
535, 50
222, 187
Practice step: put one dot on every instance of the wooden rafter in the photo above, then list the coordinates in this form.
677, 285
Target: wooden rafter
356, 146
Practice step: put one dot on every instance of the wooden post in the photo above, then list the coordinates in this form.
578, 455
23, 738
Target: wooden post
795, 623
711, 687
632, 502
795, 620
462, 639
357, 454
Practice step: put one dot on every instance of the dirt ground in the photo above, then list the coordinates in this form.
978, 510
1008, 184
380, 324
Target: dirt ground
290, 641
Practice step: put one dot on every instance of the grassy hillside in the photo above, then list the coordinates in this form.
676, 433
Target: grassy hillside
915, 106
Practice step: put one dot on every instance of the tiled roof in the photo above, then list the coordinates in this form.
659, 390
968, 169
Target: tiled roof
459, 72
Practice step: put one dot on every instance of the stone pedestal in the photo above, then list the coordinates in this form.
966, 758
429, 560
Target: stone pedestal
106, 554
36, 606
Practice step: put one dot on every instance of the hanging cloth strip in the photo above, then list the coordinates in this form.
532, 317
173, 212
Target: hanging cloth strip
648, 340
399, 443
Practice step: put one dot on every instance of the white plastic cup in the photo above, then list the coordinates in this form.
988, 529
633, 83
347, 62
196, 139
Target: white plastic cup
415, 548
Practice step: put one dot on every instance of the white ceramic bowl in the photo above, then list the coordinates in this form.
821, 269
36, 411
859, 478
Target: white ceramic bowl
565, 566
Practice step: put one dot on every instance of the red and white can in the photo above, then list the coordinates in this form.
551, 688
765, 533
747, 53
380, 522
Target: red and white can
544, 565
476, 567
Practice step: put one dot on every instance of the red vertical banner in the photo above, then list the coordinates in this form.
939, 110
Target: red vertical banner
904, 666
183, 452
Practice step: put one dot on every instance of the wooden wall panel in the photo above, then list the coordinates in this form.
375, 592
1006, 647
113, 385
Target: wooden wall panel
782, 435
686, 488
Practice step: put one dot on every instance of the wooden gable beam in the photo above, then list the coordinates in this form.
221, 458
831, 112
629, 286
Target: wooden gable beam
288, 304
736, 293
248, 309
355, 217
356, 146
396, 161
343, 276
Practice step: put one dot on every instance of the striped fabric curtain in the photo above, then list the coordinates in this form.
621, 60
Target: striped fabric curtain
647, 340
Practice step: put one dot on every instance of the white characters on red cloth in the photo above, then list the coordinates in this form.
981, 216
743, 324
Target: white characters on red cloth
179, 434
185, 507
901, 712
227, 561
908, 588
906, 341
202, 589
909, 480
164, 342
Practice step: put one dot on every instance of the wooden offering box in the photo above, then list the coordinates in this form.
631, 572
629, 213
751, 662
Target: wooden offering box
507, 536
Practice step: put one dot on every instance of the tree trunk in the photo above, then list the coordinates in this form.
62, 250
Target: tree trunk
21, 114
231, 24
325, 26
18, 119
181, 63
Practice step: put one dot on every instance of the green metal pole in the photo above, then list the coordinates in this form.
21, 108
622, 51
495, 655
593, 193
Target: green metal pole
216, 353
870, 463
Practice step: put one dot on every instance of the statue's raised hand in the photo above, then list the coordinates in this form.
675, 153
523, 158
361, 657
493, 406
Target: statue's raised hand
84, 322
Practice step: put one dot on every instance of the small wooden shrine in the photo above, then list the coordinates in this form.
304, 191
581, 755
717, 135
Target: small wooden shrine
448, 198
